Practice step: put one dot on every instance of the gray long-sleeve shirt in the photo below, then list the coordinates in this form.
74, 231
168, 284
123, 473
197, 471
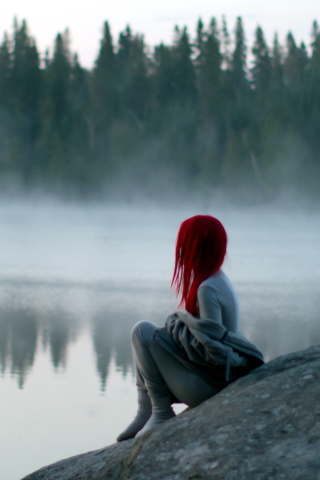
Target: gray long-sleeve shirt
217, 300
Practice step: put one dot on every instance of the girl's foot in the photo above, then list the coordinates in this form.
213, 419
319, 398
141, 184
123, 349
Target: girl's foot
159, 415
143, 414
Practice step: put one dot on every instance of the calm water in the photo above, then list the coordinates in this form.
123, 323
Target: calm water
73, 281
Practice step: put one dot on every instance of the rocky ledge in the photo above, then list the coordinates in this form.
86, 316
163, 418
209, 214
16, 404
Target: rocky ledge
264, 426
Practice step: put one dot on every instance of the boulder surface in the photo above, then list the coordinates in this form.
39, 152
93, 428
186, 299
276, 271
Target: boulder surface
263, 426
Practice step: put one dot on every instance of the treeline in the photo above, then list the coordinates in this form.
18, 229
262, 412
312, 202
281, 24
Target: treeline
195, 114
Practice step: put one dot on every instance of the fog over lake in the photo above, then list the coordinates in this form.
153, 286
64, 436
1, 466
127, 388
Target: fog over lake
75, 278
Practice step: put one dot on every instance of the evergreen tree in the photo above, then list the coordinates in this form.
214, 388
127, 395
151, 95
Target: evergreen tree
200, 35
313, 91
294, 65
315, 57
236, 162
237, 91
65, 141
163, 76
225, 45
5, 69
261, 70
184, 71
174, 116
278, 99
104, 84
238, 82
58, 75
266, 75
20, 87
277, 64
25, 75
261, 74
238, 61
312, 100
80, 146
210, 140
105, 104
57, 112
209, 71
133, 75
79, 89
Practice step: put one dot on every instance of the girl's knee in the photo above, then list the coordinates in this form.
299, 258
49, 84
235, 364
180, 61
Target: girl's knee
143, 330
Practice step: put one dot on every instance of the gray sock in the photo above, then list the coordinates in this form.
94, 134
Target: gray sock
161, 411
142, 417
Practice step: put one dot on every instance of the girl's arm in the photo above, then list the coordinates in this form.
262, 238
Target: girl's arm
209, 303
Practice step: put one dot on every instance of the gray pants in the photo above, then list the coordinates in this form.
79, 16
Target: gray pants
161, 373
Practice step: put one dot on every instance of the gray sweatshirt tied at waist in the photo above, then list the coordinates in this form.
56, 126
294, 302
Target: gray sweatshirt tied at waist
208, 349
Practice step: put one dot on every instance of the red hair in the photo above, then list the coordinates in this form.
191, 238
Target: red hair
200, 250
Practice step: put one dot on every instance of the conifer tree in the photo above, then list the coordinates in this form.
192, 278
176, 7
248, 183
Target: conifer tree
225, 45
236, 162
278, 99
238, 61
312, 97
209, 70
262, 114
210, 141
239, 85
20, 87
25, 75
174, 83
79, 88
314, 73
239, 98
58, 75
261, 70
200, 34
5, 69
277, 64
315, 45
105, 103
163, 76
80, 146
104, 84
57, 111
133, 75
184, 71
294, 65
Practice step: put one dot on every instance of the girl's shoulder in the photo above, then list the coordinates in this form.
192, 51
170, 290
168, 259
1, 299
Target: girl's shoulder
218, 279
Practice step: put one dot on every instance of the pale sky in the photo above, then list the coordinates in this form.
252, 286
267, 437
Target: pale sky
155, 20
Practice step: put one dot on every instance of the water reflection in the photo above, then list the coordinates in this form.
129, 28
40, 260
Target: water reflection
39, 317
111, 335
22, 330
279, 318
103, 345
18, 341
58, 329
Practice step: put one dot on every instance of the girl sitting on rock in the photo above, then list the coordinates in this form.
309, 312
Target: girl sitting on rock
199, 351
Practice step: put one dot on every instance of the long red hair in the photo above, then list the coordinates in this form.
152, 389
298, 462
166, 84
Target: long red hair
200, 250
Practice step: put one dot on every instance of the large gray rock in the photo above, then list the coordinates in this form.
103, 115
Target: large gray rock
264, 426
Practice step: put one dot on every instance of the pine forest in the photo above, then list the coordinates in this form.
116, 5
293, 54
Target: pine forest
206, 113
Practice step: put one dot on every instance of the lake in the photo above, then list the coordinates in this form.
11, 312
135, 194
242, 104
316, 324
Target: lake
75, 278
